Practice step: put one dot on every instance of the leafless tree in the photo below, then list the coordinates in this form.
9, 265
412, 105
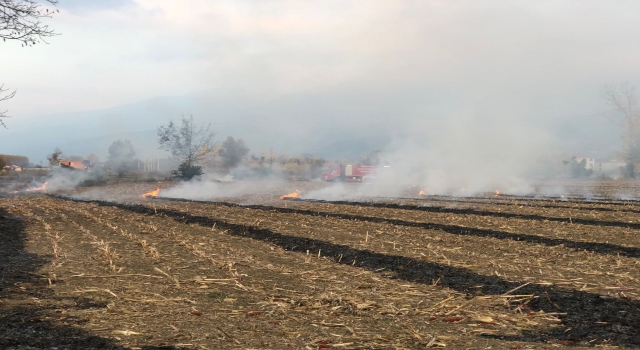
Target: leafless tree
190, 144
20, 20
3, 91
622, 98
55, 157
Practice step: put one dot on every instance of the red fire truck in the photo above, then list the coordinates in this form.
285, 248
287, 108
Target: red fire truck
349, 172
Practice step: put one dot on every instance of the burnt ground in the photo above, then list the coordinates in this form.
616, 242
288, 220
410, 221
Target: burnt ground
499, 272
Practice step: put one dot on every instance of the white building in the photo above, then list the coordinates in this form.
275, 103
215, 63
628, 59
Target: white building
12, 168
590, 162
609, 166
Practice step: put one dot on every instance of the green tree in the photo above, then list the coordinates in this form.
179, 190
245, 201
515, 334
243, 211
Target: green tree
186, 171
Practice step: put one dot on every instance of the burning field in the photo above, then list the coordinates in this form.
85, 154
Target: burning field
496, 271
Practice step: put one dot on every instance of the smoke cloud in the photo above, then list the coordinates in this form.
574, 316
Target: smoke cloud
458, 95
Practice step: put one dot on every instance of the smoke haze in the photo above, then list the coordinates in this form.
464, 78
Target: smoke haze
480, 95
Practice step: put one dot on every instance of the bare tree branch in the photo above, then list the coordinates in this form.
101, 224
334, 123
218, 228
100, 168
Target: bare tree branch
622, 98
3, 114
20, 20
190, 143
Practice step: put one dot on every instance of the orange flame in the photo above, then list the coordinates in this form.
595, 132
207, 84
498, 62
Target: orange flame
294, 194
42, 188
497, 193
421, 193
152, 193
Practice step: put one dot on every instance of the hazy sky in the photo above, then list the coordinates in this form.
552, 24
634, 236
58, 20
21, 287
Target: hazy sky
113, 52
395, 66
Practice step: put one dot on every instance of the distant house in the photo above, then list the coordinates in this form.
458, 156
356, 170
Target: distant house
12, 168
609, 166
73, 164
590, 163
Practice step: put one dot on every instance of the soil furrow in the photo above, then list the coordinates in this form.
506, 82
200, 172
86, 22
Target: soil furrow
581, 307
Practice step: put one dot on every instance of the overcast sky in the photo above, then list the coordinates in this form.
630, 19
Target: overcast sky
393, 66
113, 52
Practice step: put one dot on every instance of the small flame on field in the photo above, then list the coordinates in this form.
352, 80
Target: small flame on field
497, 193
42, 188
421, 193
152, 193
294, 194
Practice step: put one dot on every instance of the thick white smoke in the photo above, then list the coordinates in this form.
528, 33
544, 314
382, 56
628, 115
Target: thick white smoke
460, 155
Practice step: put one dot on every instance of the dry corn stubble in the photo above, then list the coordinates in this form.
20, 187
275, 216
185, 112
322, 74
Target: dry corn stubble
287, 301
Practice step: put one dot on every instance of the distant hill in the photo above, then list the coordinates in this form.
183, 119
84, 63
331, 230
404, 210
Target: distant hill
329, 125
82, 133
260, 123
351, 149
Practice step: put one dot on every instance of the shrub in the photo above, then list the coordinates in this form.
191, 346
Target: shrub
187, 171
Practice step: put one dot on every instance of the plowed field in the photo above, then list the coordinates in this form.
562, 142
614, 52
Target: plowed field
465, 273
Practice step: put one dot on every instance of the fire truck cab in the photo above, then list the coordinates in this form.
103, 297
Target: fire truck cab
347, 172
